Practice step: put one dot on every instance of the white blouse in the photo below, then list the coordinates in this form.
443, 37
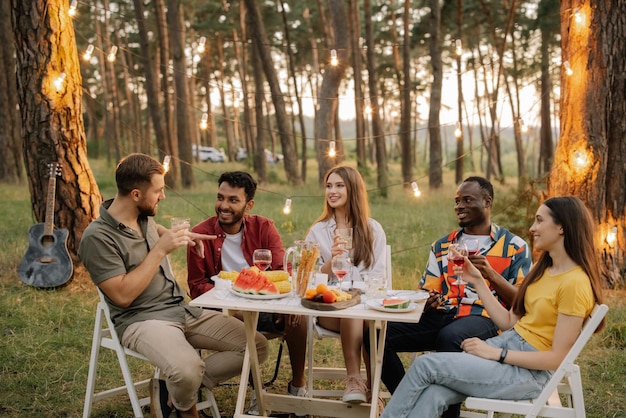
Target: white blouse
322, 233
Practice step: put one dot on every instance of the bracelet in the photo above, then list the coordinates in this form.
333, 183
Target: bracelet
503, 354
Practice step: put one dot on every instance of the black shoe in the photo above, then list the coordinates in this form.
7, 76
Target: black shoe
158, 399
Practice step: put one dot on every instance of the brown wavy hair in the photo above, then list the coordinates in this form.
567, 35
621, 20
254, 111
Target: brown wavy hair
358, 211
578, 232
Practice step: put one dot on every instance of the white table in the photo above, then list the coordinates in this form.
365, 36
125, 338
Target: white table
230, 303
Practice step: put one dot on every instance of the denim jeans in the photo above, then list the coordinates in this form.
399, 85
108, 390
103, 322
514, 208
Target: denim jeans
437, 380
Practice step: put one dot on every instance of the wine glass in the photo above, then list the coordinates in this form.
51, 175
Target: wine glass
262, 259
340, 266
345, 234
473, 246
458, 258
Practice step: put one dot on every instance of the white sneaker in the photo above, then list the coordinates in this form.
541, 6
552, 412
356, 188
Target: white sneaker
355, 391
297, 391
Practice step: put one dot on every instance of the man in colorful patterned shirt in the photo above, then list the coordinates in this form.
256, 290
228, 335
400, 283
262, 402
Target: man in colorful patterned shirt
453, 311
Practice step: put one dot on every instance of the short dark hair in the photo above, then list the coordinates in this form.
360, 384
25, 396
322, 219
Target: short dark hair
485, 185
135, 172
240, 179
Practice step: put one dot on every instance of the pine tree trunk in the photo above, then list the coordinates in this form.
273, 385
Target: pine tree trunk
591, 154
435, 170
52, 124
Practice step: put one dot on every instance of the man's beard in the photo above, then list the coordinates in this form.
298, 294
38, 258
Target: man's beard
235, 217
145, 211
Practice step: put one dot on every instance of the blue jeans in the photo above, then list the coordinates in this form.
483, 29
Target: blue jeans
437, 380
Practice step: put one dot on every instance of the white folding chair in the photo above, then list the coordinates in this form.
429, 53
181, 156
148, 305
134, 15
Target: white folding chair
318, 332
104, 335
565, 382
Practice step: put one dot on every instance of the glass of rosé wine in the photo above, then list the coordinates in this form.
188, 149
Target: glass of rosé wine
262, 259
457, 253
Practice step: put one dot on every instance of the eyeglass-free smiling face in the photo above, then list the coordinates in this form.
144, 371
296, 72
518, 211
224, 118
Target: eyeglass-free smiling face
336, 191
472, 208
231, 206
545, 232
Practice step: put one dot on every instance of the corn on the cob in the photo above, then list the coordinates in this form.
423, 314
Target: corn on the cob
228, 275
284, 286
276, 275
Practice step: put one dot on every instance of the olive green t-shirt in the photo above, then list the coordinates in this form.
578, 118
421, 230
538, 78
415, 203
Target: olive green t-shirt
108, 248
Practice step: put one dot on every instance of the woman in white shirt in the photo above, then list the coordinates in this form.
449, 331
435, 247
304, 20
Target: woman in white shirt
347, 206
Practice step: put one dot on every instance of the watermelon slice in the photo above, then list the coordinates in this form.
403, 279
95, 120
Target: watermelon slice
395, 303
254, 283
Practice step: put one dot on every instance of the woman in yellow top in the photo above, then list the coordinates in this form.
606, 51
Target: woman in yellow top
546, 318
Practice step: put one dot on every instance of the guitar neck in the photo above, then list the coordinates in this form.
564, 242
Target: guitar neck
49, 225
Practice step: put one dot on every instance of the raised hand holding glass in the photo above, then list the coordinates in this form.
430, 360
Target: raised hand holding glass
457, 253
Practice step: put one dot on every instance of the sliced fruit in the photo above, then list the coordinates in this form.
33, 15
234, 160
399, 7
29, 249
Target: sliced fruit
396, 303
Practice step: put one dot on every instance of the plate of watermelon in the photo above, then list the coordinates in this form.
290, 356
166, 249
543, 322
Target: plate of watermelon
252, 285
395, 305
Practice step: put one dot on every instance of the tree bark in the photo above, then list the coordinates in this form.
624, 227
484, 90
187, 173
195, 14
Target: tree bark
377, 128
257, 33
435, 170
593, 125
52, 125
357, 67
10, 137
183, 130
408, 151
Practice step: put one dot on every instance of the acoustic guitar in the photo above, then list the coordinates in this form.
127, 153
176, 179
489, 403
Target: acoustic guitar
47, 262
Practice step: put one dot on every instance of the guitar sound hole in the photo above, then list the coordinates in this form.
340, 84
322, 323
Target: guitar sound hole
47, 241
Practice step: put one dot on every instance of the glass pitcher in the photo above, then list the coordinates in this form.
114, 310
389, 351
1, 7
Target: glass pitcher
300, 261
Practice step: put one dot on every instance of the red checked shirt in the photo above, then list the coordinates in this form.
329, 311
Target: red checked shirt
258, 232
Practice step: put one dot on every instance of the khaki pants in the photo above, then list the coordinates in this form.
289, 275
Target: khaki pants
171, 346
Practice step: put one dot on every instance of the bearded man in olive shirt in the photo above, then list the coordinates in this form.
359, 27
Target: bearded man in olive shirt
125, 252
238, 235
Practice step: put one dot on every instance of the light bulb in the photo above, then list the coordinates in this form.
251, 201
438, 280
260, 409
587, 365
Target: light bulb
578, 17
58, 83
112, 53
287, 207
458, 131
333, 58
88, 53
580, 159
368, 107
72, 10
611, 237
201, 44
332, 152
166, 162
416, 189
568, 68
522, 126
459, 48
204, 122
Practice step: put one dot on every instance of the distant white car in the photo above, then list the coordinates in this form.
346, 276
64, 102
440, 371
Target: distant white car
208, 154
242, 154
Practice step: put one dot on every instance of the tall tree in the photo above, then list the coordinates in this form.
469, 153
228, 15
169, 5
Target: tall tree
377, 128
406, 103
591, 154
10, 140
259, 37
435, 170
177, 41
51, 111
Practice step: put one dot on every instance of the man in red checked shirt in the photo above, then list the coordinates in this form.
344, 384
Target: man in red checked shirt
238, 235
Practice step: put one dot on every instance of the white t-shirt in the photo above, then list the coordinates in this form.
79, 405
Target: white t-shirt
232, 255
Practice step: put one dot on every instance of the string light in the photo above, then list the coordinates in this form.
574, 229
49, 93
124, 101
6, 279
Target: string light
416, 189
367, 109
204, 122
287, 207
568, 68
72, 10
458, 131
459, 48
334, 61
522, 126
166, 162
580, 159
332, 152
112, 53
88, 53
201, 44
611, 237
578, 18
58, 83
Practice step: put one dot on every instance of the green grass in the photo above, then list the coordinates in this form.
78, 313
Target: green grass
45, 335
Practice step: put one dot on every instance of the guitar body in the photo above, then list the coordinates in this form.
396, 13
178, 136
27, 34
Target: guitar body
47, 262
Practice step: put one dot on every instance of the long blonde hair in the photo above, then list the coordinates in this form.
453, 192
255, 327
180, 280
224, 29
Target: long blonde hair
358, 212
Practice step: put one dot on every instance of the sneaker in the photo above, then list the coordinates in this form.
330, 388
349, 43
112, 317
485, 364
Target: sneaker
355, 390
253, 409
158, 399
297, 391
